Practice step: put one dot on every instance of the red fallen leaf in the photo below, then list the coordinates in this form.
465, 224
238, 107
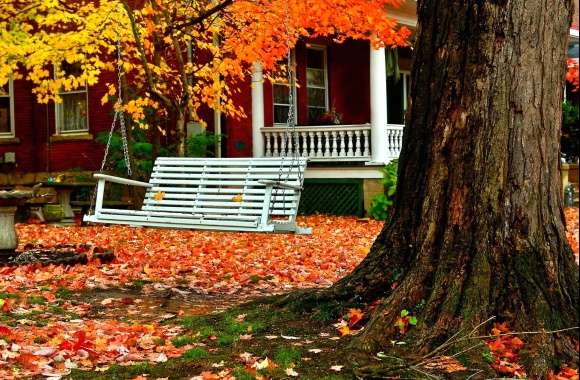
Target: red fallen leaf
127, 301
5, 331
207, 375
7, 305
504, 368
517, 343
497, 345
27, 360
354, 317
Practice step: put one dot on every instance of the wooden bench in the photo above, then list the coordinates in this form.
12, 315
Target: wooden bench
230, 194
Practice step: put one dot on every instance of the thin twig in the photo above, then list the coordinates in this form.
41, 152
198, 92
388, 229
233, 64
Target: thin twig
450, 341
521, 333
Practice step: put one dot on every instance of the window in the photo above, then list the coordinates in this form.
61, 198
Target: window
281, 94
316, 83
7, 110
72, 113
397, 92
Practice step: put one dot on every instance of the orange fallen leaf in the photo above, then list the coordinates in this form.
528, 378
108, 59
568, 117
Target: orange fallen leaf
159, 195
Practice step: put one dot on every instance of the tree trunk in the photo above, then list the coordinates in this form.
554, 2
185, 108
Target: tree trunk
181, 133
478, 228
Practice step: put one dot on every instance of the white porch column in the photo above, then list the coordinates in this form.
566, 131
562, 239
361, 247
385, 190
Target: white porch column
378, 72
257, 111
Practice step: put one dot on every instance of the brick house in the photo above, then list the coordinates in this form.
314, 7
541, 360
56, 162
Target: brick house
345, 158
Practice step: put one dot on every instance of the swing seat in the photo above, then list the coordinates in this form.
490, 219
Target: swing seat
227, 194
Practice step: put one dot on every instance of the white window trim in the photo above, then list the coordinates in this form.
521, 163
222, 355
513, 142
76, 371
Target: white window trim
404, 74
12, 133
57, 106
294, 97
324, 49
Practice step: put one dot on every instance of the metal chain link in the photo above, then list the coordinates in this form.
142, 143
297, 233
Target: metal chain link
120, 116
290, 133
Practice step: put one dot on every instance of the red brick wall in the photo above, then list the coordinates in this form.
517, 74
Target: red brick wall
348, 76
35, 123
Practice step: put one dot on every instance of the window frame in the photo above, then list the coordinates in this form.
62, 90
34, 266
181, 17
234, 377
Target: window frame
12, 133
58, 107
294, 96
326, 89
406, 78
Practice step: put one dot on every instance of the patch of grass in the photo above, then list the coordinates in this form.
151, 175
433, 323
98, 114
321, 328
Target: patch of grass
64, 293
195, 354
285, 356
241, 374
36, 300
138, 284
226, 340
487, 356
207, 331
184, 340
4, 295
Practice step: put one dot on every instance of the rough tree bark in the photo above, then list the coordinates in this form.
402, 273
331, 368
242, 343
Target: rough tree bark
478, 225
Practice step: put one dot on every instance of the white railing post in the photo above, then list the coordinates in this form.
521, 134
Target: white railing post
322, 143
257, 110
378, 73
268, 145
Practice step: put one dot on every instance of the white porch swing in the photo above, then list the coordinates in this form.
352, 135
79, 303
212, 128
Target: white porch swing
227, 194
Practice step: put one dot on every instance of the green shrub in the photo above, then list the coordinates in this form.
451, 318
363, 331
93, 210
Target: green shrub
381, 203
570, 140
141, 150
197, 146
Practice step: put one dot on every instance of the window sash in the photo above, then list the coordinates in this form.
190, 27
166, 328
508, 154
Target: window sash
82, 122
67, 115
10, 132
277, 105
398, 98
316, 86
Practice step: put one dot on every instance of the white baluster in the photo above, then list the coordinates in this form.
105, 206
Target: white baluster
333, 152
366, 152
290, 144
268, 145
342, 144
276, 153
400, 142
318, 144
357, 151
282, 143
390, 142
310, 144
326, 142
350, 152
304, 144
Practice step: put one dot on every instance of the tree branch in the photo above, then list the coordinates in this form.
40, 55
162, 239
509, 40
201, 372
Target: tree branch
196, 20
139, 44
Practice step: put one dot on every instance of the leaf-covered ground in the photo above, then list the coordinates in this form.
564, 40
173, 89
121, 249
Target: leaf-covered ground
146, 313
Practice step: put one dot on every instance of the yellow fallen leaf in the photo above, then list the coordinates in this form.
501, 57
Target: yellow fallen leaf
237, 198
159, 195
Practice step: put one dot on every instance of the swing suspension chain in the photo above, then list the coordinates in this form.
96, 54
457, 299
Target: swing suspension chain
118, 115
290, 133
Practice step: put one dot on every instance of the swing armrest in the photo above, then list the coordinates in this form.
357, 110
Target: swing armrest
122, 181
283, 185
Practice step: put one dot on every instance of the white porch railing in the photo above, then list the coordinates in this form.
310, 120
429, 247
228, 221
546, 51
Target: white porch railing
394, 140
329, 142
